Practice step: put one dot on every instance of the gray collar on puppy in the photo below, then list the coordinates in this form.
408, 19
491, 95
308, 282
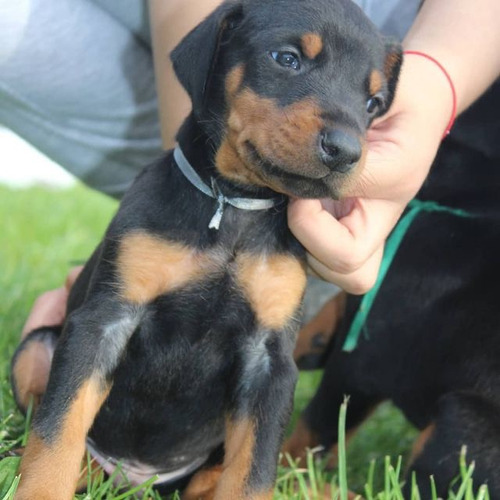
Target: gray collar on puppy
214, 192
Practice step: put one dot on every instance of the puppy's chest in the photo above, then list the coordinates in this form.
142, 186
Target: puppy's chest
270, 282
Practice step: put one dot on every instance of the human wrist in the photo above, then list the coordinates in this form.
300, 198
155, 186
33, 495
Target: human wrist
464, 36
409, 135
451, 121
425, 91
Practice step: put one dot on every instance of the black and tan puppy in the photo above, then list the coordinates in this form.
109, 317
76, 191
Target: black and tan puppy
431, 342
176, 355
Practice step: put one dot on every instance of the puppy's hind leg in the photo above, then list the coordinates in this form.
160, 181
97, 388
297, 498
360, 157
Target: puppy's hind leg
463, 419
318, 424
30, 366
90, 347
312, 346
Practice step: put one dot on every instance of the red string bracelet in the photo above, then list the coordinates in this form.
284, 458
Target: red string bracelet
450, 81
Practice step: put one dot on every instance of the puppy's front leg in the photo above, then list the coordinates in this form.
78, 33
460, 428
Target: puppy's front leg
254, 432
263, 395
85, 358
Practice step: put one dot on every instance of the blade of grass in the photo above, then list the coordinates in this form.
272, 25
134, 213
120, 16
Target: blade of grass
396, 487
299, 476
398, 466
312, 473
369, 481
387, 479
12, 490
133, 491
415, 494
342, 452
27, 422
482, 493
433, 488
465, 482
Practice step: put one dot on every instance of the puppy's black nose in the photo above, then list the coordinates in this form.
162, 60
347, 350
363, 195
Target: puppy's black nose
339, 150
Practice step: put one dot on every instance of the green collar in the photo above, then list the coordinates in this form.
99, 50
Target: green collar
391, 247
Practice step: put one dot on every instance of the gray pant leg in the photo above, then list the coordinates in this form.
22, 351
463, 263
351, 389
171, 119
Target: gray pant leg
392, 17
79, 85
133, 14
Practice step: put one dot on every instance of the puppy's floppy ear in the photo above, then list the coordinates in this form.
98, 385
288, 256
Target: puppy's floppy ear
392, 67
195, 56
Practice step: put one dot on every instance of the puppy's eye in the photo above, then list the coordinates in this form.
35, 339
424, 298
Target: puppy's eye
286, 59
374, 104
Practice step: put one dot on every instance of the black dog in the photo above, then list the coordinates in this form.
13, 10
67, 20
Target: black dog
431, 342
176, 355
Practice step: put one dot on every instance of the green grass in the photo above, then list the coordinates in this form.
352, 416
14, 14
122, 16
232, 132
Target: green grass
44, 233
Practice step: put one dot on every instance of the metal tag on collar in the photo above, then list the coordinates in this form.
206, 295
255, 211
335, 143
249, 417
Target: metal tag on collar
214, 192
221, 199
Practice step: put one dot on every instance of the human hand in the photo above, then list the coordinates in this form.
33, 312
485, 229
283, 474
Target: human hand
50, 307
345, 239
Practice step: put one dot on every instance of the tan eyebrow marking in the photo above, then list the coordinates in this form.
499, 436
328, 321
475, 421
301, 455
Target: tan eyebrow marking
312, 44
375, 82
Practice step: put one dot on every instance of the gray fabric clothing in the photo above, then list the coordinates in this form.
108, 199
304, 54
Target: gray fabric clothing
392, 17
79, 85
76, 81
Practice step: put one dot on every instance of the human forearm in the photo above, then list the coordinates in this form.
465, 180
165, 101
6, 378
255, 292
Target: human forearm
464, 35
170, 21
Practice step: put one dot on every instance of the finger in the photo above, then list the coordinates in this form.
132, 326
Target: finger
49, 309
358, 282
343, 245
388, 175
72, 275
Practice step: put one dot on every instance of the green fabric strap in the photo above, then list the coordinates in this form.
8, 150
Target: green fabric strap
391, 247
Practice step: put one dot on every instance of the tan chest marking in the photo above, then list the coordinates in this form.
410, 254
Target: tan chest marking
149, 266
274, 286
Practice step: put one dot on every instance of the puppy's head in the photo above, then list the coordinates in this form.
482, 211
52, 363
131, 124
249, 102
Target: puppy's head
286, 90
